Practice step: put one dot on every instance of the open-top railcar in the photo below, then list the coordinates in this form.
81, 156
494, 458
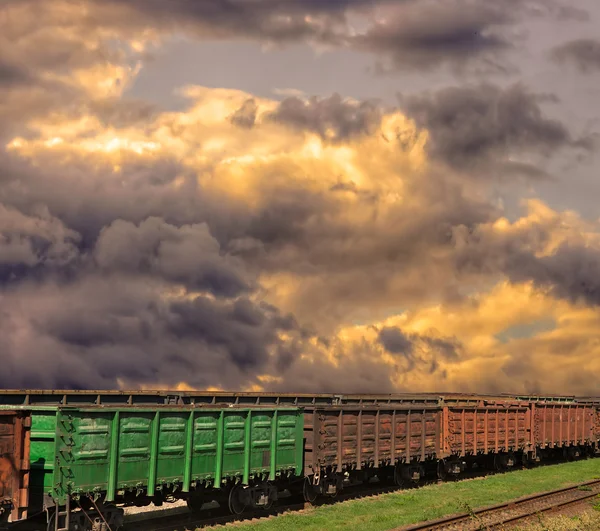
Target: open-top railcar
79, 454
79, 464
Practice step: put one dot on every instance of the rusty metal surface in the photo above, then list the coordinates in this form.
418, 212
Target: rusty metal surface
14, 465
472, 399
37, 397
357, 437
556, 425
485, 429
25, 397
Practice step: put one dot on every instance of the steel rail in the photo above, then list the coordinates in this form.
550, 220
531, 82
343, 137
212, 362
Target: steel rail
220, 516
475, 516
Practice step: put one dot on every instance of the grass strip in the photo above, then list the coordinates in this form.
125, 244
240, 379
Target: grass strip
387, 511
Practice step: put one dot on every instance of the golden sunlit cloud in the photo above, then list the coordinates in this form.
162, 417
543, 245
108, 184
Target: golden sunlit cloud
203, 137
259, 244
245, 162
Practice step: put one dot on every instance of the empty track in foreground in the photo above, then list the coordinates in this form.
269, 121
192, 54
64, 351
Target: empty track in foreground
499, 516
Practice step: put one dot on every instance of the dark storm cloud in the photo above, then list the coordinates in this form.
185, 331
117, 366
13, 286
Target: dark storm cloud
395, 341
286, 216
121, 314
12, 76
242, 329
571, 271
245, 116
583, 54
358, 367
427, 34
359, 370
96, 330
417, 349
417, 34
448, 348
114, 112
89, 197
485, 125
188, 255
31, 241
275, 20
333, 118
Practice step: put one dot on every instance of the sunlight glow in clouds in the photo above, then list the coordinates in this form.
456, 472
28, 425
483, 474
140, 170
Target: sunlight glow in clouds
307, 244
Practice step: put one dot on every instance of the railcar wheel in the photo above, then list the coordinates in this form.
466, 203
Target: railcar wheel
442, 473
269, 504
195, 504
142, 501
499, 463
510, 460
386, 474
236, 501
309, 492
398, 479
334, 494
573, 453
421, 479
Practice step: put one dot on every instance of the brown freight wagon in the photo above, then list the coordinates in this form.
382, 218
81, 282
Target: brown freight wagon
14, 465
571, 429
495, 429
354, 443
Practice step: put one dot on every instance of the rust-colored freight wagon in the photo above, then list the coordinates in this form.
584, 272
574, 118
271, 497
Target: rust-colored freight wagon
499, 429
572, 428
14, 465
358, 442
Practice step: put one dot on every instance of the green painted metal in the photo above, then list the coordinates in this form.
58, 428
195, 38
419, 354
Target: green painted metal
273, 447
113, 450
153, 455
113, 458
299, 436
189, 448
247, 448
219, 456
42, 447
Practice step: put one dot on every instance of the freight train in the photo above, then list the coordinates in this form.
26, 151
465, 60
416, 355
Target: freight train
79, 457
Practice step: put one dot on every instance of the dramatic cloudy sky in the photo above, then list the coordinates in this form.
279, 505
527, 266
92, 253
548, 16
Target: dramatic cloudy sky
300, 195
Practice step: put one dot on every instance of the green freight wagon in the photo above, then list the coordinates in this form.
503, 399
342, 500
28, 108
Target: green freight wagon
84, 462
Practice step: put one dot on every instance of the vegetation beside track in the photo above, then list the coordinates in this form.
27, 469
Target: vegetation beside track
587, 521
387, 511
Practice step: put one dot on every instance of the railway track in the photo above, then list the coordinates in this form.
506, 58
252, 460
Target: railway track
496, 517
220, 516
177, 519
514, 510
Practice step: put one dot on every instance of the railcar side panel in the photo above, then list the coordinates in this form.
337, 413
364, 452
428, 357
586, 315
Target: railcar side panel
14, 465
354, 438
486, 429
43, 445
557, 425
100, 450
